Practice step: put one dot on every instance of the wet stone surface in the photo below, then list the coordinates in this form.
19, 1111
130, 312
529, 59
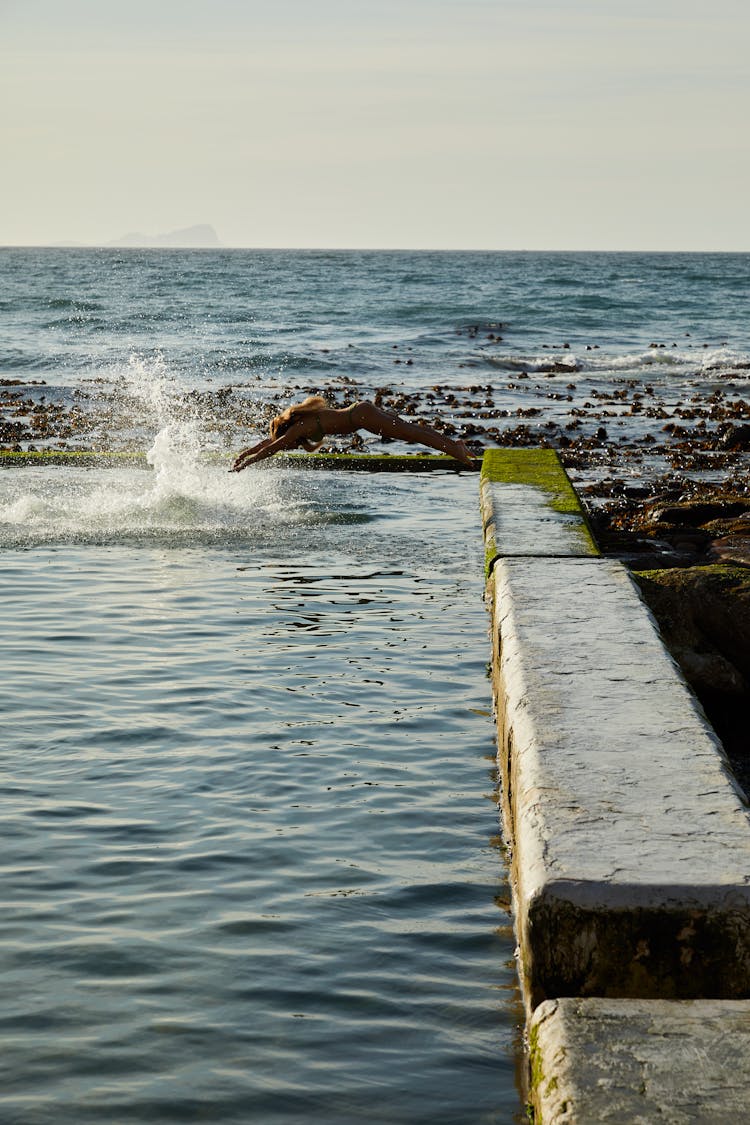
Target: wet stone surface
638, 1061
631, 839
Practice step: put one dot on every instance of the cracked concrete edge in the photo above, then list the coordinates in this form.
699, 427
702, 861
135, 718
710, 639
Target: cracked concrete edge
595, 1061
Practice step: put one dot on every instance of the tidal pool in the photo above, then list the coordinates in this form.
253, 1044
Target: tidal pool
250, 859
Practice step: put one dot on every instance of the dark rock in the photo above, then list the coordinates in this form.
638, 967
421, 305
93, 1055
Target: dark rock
694, 513
734, 549
705, 609
733, 437
704, 616
737, 525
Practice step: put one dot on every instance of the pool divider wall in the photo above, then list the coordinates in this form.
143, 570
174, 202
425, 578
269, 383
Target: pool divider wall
628, 836
529, 507
343, 462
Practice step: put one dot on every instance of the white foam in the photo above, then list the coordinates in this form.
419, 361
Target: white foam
187, 494
687, 359
205, 502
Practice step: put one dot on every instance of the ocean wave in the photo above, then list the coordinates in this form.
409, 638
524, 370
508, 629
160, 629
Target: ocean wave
596, 360
565, 361
81, 320
76, 304
266, 360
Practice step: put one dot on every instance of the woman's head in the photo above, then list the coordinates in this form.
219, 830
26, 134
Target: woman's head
292, 414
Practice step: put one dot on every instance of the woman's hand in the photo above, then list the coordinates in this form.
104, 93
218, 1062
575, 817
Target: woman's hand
271, 446
242, 461
250, 456
267, 448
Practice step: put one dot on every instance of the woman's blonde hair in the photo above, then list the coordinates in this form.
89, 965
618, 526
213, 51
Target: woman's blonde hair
292, 414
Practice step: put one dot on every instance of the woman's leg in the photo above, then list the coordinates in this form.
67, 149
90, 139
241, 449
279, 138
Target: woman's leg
382, 422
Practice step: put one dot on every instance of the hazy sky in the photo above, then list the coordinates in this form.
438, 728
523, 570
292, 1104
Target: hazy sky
488, 124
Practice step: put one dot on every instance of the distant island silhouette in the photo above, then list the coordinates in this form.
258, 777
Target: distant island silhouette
202, 235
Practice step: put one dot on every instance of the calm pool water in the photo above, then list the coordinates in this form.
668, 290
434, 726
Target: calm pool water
249, 864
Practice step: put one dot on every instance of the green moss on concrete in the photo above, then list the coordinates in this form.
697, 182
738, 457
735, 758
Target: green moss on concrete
539, 468
542, 470
538, 1081
536, 1067
102, 458
366, 463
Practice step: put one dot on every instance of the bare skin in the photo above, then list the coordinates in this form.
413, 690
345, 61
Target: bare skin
328, 421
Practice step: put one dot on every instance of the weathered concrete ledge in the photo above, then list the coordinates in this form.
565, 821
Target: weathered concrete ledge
628, 835
630, 838
348, 462
529, 507
639, 1061
82, 457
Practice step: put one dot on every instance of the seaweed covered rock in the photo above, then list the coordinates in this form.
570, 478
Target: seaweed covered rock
733, 548
697, 513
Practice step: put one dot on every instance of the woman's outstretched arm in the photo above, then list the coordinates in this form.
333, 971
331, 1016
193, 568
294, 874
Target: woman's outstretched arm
267, 448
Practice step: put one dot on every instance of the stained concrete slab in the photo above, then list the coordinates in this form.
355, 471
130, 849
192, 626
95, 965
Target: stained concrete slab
630, 839
529, 507
635, 1062
523, 523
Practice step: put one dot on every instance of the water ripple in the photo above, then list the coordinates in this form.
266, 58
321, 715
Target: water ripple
247, 869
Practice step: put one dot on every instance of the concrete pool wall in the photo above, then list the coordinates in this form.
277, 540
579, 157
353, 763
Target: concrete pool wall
348, 462
629, 838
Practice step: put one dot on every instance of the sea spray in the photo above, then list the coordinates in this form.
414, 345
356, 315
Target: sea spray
188, 497
142, 396
175, 457
147, 390
179, 503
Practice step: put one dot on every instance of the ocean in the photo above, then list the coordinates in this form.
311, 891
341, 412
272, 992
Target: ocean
283, 316
251, 864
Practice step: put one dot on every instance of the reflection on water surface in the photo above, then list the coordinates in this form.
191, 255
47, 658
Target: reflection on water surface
247, 864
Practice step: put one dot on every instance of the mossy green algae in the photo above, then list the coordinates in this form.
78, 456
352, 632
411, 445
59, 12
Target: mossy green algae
368, 463
83, 457
537, 1076
539, 468
542, 470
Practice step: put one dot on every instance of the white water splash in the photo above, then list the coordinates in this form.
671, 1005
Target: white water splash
147, 381
189, 496
176, 456
181, 502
